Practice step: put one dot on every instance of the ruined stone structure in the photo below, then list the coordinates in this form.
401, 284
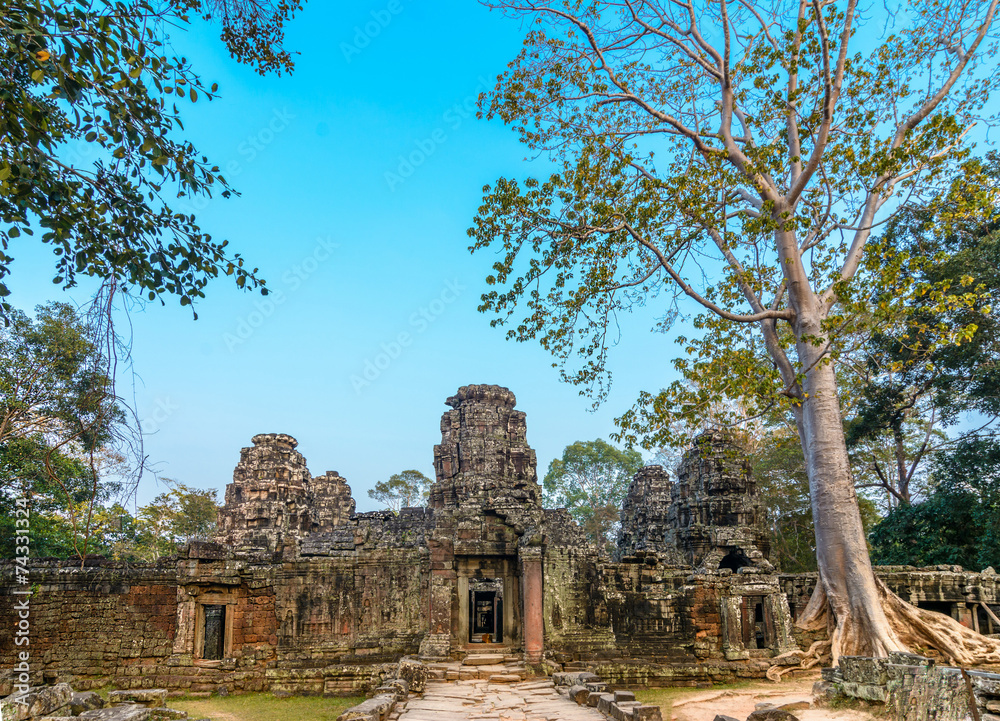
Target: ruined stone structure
273, 498
302, 594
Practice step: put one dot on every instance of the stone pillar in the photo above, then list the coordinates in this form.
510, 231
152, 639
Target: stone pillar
531, 585
442, 589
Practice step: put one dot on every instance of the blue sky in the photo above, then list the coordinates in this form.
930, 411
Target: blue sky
359, 247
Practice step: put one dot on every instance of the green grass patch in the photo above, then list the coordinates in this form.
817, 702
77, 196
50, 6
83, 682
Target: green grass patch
265, 707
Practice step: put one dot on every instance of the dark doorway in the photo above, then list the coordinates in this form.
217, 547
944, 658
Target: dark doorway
215, 633
486, 616
758, 627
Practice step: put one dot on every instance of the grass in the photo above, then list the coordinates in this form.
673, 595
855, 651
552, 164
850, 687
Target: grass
264, 707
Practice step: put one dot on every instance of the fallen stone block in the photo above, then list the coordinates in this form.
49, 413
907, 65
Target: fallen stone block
374, 709
647, 713
772, 714
126, 712
148, 697
37, 701
795, 706
579, 694
622, 710
168, 713
85, 701
594, 698
624, 696
414, 673
604, 702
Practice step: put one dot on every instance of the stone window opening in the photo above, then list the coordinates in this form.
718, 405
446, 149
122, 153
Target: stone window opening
734, 560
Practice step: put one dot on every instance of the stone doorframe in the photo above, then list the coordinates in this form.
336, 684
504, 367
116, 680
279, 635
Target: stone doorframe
190, 638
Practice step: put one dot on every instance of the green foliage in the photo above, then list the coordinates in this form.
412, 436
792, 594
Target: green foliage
935, 357
959, 521
743, 177
60, 425
162, 526
402, 490
591, 480
102, 78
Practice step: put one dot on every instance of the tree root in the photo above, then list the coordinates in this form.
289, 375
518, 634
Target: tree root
904, 628
815, 655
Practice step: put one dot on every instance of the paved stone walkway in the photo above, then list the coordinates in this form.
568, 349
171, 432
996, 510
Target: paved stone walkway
478, 699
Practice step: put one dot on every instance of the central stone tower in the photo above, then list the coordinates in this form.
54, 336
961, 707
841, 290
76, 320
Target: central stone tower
488, 529
484, 458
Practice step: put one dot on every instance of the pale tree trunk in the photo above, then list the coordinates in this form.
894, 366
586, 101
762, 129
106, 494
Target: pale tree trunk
863, 617
849, 592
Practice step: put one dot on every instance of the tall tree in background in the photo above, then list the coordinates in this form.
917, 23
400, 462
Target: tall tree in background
958, 522
402, 490
63, 432
910, 386
738, 153
591, 480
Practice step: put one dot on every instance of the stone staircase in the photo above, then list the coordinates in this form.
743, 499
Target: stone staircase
492, 667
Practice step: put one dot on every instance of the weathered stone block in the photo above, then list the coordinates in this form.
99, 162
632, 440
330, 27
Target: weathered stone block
579, 694
130, 712
148, 697
85, 701
38, 701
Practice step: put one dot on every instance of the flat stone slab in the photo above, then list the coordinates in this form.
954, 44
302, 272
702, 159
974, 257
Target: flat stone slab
118, 713
151, 697
487, 700
483, 659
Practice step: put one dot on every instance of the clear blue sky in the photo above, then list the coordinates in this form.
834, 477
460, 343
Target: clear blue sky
359, 256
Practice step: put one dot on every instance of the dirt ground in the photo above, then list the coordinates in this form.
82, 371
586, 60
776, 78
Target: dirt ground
740, 703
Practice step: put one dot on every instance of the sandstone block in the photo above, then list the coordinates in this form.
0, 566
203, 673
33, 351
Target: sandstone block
38, 701
148, 697
130, 712
85, 701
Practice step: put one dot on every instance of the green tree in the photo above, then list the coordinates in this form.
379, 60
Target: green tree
62, 429
104, 76
401, 490
958, 522
739, 156
591, 480
162, 526
910, 385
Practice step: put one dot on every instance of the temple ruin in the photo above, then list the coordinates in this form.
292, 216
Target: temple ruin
299, 593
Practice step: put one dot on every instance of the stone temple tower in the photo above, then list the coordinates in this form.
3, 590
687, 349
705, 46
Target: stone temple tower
484, 458
274, 500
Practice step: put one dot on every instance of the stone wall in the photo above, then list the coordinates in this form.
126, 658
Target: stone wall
914, 688
102, 620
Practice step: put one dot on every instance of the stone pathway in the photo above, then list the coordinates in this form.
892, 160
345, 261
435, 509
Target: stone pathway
479, 699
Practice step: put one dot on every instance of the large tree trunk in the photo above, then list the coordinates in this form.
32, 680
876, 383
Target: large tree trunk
863, 617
